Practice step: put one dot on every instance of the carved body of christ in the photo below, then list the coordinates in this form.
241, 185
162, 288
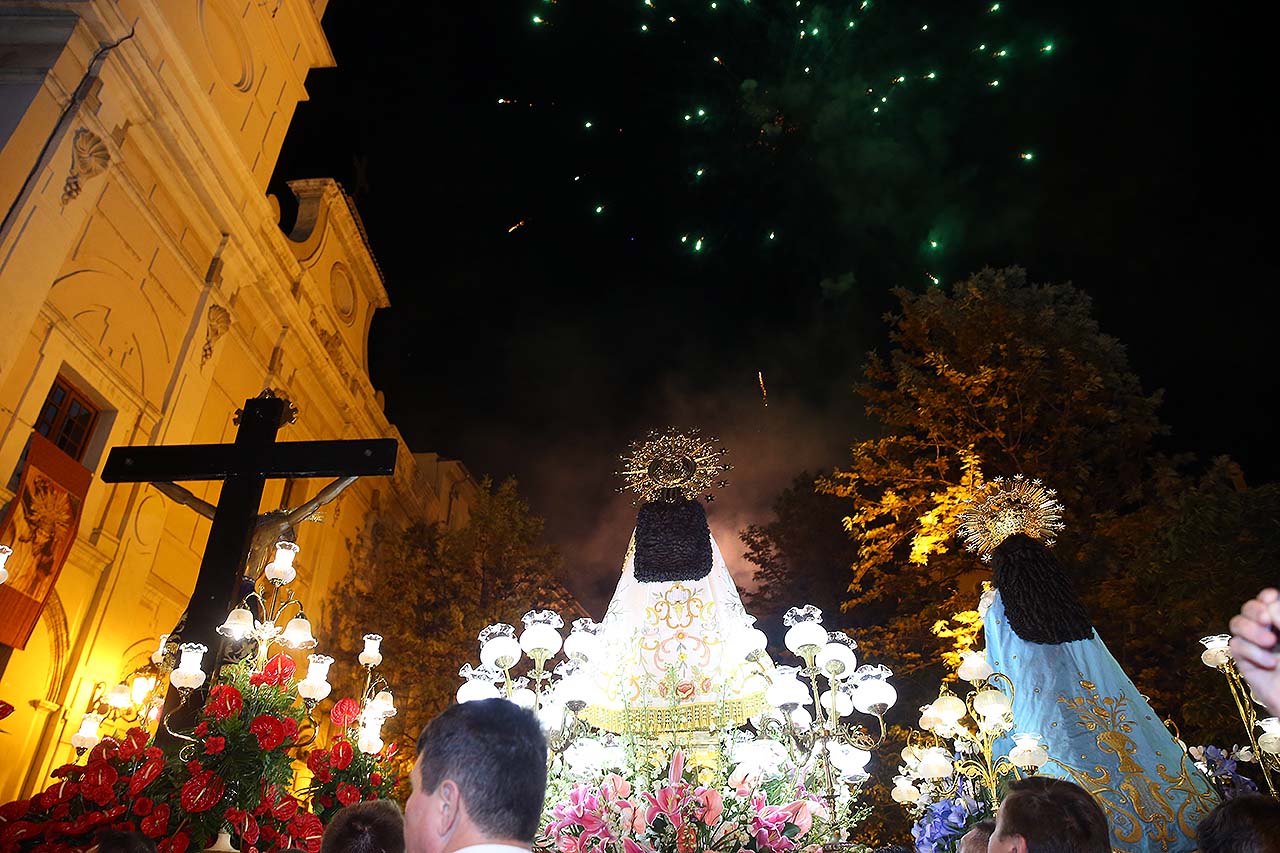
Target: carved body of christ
244, 467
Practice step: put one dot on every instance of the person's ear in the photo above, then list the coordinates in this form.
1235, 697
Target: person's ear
450, 807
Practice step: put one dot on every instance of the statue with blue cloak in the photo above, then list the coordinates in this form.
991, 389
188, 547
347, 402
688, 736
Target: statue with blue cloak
1100, 732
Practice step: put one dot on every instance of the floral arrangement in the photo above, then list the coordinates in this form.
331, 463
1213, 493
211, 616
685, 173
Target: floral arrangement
687, 810
342, 774
232, 774
1222, 766
943, 823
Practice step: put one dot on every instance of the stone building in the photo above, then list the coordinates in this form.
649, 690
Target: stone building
147, 291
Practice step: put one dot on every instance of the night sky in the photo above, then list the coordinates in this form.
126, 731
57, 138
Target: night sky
541, 352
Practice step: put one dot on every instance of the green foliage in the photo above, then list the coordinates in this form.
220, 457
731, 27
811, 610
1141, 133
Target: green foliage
429, 591
998, 376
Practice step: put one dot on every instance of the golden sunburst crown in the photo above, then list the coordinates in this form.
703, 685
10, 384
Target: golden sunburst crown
673, 465
1003, 507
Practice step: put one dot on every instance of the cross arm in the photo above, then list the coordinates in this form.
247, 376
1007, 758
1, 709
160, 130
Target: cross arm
184, 462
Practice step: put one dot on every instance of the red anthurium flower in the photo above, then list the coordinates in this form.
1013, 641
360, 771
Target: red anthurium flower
348, 794
285, 808
201, 793
177, 844
143, 806
277, 672
318, 764
10, 812
214, 745
134, 742
224, 701
341, 755
268, 730
201, 729
145, 775
154, 824
344, 713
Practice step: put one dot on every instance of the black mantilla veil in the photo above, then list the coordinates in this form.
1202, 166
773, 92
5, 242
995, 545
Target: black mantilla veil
1039, 598
673, 542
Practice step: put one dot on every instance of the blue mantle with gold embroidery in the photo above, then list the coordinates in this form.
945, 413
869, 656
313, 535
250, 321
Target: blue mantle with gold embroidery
1102, 735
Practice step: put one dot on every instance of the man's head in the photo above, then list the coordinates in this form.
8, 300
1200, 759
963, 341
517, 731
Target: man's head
975, 840
375, 826
124, 842
481, 776
1044, 815
1249, 823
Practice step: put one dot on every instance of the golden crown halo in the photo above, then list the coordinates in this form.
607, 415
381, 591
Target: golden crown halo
1002, 508
673, 465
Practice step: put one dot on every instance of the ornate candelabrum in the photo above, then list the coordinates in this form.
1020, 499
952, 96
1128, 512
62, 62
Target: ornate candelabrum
974, 725
135, 698
1217, 655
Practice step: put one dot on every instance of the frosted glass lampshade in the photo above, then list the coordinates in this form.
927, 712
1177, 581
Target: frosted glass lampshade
974, 667
5, 551
1216, 650
189, 675
297, 634
119, 697
87, 736
843, 706
580, 645
848, 759
502, 652
935, 763
786, 689
752, 641
478, 689
949, 708
140, 687
157, 657
874, 696
540, 639
1028, 753
805, 637
524, 697
385, 704
991, 703
280, 570
1269, 740
801, 718
372, 654
903, 791
837, 660
238, 624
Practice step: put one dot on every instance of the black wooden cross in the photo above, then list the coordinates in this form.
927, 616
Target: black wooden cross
244, 467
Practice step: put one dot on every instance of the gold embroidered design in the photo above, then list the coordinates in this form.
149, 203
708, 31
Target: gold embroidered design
1137, 804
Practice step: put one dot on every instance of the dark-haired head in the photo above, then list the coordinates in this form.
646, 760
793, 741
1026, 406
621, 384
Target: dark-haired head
481, 777
1038, 596
110, 841
375, 826
1045, 815
975, 840
1249, 823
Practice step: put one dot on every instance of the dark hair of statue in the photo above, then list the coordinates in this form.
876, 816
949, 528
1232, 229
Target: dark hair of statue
494, 751
374, 826
1053, 816
1249, 823
1039, 599
673, 542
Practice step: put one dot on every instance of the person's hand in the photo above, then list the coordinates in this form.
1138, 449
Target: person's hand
1253, 645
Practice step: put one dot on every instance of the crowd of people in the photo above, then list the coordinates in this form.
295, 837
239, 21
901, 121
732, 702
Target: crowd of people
480, 779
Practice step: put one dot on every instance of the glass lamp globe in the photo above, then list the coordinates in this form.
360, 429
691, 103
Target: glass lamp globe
974, 667
369, 740
850, 760
297, 634
87, 736
157, 657
385, 704
315, 686
752, 641
1216, 650
1028, 752
903, 791
805, 637
525, 698
949, 708
189, 675
801, 718
935, 763
5, 551
582, 644
843, 703
280, 571
140, 687
540, 640
471, 691
991, 703
120, 697
1269, 740
837, 660
372, 654
238, 624
874, 696
786, 689
502, 652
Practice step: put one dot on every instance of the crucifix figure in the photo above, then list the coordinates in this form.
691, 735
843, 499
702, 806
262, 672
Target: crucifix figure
244, 467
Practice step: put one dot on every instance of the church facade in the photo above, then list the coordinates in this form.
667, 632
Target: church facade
147, 291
